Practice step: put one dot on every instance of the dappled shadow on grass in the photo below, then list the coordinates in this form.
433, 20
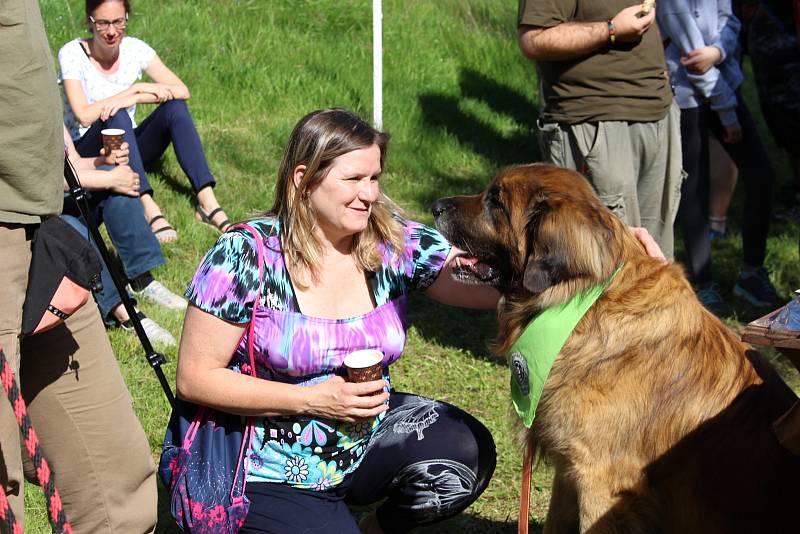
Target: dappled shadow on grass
445, 112
502, 100
480, 135
469, 330
180, 185
442, 185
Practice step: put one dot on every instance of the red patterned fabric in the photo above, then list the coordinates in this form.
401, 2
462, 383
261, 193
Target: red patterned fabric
55, 509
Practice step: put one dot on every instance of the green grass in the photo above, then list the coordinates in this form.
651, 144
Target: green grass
459, 102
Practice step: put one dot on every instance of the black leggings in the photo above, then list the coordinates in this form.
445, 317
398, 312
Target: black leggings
429, 461
755, 171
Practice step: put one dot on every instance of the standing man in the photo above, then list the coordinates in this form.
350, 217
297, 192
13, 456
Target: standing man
606, 105
76, 397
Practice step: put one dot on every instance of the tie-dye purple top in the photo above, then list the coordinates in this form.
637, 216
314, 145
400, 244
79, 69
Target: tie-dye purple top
300, 349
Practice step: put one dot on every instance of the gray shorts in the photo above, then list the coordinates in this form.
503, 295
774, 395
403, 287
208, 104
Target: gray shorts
636, 168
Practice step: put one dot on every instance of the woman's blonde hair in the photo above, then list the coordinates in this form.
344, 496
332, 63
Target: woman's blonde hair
316, 141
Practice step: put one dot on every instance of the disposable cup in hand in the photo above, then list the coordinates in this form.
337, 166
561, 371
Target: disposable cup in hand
364, 365
112, 139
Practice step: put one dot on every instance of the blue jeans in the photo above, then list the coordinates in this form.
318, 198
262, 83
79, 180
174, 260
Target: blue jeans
170, 122
133, 239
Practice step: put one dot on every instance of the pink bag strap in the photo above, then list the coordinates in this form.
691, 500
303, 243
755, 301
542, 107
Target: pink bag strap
200, 416
248, 433
260, 246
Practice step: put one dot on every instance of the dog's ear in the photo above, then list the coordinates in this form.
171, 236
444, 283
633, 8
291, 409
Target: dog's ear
565, 245
544, 267
543, 273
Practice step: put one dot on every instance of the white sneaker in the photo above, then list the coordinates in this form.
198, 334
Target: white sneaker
156, 292
157, 334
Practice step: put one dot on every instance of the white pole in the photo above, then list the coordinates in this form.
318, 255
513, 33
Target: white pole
377, 64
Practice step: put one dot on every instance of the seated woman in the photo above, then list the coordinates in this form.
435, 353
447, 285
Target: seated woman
114, 201
100, 82
339, 266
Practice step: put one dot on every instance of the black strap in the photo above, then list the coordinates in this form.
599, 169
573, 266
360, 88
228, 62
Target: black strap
85, 51
58, 313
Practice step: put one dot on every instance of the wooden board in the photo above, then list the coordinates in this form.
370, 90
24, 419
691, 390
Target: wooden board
758, 333
787, 427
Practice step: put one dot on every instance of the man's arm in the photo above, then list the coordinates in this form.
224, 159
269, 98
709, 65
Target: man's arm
570, 40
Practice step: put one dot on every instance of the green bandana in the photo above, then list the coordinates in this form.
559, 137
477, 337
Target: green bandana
533, 354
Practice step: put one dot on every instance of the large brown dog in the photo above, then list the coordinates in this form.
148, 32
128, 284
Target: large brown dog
655, 416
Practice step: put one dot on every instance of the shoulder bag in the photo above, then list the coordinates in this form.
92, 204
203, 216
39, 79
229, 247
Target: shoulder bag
64, 270
204, 456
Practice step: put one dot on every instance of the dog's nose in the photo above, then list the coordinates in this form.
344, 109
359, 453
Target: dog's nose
440, 206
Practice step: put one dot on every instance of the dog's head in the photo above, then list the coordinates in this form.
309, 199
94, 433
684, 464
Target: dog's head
537, 231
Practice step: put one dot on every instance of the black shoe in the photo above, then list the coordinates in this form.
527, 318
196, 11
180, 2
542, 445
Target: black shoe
756, 288
711, 299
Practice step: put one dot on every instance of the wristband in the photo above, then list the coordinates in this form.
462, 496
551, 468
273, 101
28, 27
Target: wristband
612, 32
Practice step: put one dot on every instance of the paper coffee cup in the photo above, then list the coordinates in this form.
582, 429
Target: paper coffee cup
112, 139
364, 365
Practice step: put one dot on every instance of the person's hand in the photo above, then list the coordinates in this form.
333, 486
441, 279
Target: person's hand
732, 134
123, 180
650, 246
629, 26
701, 59
161, 91
115, 103
121, 154
347, 401
117, 157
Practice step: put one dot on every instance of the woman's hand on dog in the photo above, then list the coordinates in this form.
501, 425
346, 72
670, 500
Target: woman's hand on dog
649, 244
347, 401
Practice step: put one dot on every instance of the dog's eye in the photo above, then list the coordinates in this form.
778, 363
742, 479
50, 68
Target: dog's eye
493, 198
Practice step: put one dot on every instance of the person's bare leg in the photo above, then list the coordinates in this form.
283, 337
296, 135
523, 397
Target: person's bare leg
158, 223
208, 203
723, 176
120, 313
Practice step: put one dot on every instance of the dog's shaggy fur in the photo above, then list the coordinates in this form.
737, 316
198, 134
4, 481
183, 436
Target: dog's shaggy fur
655, 416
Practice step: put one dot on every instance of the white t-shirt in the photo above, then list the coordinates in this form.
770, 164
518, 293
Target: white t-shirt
134, 57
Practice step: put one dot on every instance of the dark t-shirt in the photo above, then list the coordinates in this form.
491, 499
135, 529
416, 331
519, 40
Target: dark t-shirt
623, 81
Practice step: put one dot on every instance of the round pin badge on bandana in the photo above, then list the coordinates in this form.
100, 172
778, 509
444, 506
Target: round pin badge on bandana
519, 368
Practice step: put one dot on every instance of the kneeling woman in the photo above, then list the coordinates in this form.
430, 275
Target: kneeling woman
338, 267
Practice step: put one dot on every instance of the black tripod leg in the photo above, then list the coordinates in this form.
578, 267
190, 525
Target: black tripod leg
154, 358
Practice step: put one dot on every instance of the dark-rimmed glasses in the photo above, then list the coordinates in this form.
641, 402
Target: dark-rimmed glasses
102, 25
